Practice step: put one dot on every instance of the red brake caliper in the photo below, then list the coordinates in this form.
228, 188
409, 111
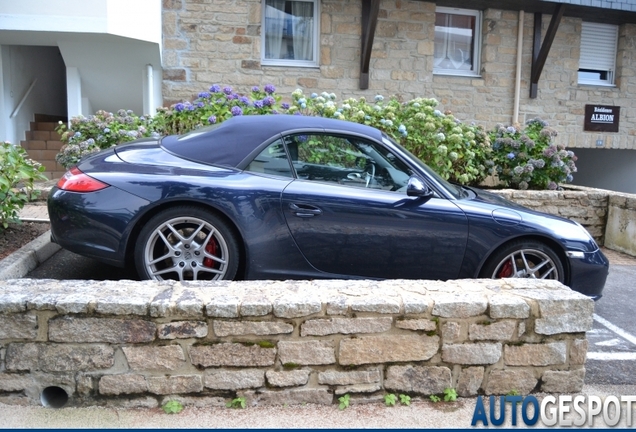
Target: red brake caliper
211, 249
506, 270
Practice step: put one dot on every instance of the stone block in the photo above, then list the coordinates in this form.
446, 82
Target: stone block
418, 379
307, 353
347, 378
507, 306
14, 382
322, 327
175, 384
259, 328
451, 331
114, 385
470, 380
535, 354
459, 305
287, 378
18, 326
501, 382
472, 353
58, 357
226, 306
497, 331
358, 388
294, 307
225, 379
416, 324
182, 330
108, 330
578, 351
232, 354
384, 349
564, 316
148, 358
563, 381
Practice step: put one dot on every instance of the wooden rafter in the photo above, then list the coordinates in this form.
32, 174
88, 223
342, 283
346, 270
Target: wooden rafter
370, 10
539, 55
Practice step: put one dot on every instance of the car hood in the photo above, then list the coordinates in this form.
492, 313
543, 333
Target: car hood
520, 221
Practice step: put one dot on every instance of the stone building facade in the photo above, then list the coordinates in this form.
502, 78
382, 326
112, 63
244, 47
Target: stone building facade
220, 42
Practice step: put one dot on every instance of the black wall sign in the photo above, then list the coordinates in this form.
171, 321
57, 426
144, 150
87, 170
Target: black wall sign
601, 118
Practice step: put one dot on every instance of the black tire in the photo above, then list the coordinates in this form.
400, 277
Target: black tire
186, 243
541, 262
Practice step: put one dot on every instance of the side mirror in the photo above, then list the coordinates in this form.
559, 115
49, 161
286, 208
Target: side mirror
417, 188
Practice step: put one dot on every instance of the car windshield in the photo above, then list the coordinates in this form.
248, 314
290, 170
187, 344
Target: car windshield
454, 190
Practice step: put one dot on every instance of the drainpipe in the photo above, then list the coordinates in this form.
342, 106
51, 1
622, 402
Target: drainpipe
515, 114
150, 98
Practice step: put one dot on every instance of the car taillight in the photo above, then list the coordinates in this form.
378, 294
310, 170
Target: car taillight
76, 181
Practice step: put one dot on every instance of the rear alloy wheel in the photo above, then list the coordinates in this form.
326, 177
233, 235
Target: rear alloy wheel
525, 260
185, 244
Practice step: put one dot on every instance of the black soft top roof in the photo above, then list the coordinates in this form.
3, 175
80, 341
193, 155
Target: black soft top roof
229, 143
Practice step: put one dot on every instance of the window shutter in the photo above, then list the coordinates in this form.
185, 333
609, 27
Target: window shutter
598, 46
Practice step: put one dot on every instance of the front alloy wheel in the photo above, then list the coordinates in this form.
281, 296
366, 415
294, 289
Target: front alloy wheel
186, 243
525, 260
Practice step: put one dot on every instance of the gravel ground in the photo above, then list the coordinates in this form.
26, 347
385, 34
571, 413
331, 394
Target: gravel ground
421, 414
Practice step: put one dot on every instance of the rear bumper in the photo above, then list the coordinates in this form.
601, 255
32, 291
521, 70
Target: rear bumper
95, 224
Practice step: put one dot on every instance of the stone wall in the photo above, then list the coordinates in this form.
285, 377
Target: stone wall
620, 233
137, 344
219, 42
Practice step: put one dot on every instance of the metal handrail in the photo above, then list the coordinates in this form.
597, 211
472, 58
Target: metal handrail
17, 108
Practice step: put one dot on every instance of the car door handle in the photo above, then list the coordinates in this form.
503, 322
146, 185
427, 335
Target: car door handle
304, 210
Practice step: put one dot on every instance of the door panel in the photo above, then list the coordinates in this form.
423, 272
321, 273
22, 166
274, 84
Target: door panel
373, 232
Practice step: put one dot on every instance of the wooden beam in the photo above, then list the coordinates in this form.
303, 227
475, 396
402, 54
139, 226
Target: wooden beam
370, 10
539, 56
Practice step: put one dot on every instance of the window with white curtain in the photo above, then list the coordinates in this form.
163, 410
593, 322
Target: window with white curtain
597, 60
457, 41
290, 32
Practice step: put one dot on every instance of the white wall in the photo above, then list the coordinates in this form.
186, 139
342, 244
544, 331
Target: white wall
21, 65
136, 19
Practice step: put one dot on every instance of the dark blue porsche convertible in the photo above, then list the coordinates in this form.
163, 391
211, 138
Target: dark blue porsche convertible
295, 197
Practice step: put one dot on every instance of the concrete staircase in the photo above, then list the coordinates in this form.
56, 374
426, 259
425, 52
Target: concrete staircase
43, 144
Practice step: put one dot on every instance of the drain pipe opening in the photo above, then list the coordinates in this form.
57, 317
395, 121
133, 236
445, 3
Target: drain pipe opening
53, 397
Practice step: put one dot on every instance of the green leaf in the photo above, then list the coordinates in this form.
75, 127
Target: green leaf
172, 407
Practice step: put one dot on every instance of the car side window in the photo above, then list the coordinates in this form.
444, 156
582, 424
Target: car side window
346, 160
272, 161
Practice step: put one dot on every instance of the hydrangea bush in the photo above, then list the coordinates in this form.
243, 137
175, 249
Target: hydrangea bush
87, 135
456, 151
214, 106
461, 153
529, 158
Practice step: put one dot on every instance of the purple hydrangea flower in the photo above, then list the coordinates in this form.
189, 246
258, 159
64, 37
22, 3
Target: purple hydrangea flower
179, 107
204, 95
236, 111
258, 104
510, 155
285, 106
200, 105
215, 88
255, 89
244, 100
212, 119
269, 101
269, 89
227, 90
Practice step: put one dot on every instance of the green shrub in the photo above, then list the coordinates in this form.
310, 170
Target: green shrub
456, 151
87, 135
17, 174
460, 153
529, 158
214, 106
